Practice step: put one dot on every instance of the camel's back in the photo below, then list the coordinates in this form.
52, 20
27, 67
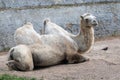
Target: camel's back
52, 28
26, 35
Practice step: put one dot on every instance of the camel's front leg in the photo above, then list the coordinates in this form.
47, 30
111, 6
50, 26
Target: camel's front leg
14, 65
75, 58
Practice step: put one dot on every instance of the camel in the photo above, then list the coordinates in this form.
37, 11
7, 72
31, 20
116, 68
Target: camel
55, 48
26, 35
84, 39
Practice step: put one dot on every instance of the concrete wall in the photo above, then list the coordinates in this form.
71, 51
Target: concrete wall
66, 13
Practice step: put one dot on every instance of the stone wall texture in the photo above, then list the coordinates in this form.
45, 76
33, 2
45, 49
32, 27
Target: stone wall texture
66, 13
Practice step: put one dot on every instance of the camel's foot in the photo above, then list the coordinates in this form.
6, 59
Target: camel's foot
76, 58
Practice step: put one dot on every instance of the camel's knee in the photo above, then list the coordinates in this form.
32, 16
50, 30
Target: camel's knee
76, 58
11, 65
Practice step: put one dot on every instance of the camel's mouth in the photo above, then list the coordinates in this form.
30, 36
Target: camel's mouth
95, 24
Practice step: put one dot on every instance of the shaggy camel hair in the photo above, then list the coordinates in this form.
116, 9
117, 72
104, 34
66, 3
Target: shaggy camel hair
52, 50
26, 35
84, 39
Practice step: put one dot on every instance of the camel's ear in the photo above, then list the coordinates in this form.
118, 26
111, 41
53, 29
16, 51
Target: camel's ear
81, 17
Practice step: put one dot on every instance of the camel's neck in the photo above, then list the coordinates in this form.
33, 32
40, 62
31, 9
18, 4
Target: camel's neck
85, 38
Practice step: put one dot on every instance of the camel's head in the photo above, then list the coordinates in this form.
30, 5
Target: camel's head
89, 20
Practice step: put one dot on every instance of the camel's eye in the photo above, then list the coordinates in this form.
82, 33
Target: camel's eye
86, 20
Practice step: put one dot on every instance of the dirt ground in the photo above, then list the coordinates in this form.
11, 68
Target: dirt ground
104, 64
